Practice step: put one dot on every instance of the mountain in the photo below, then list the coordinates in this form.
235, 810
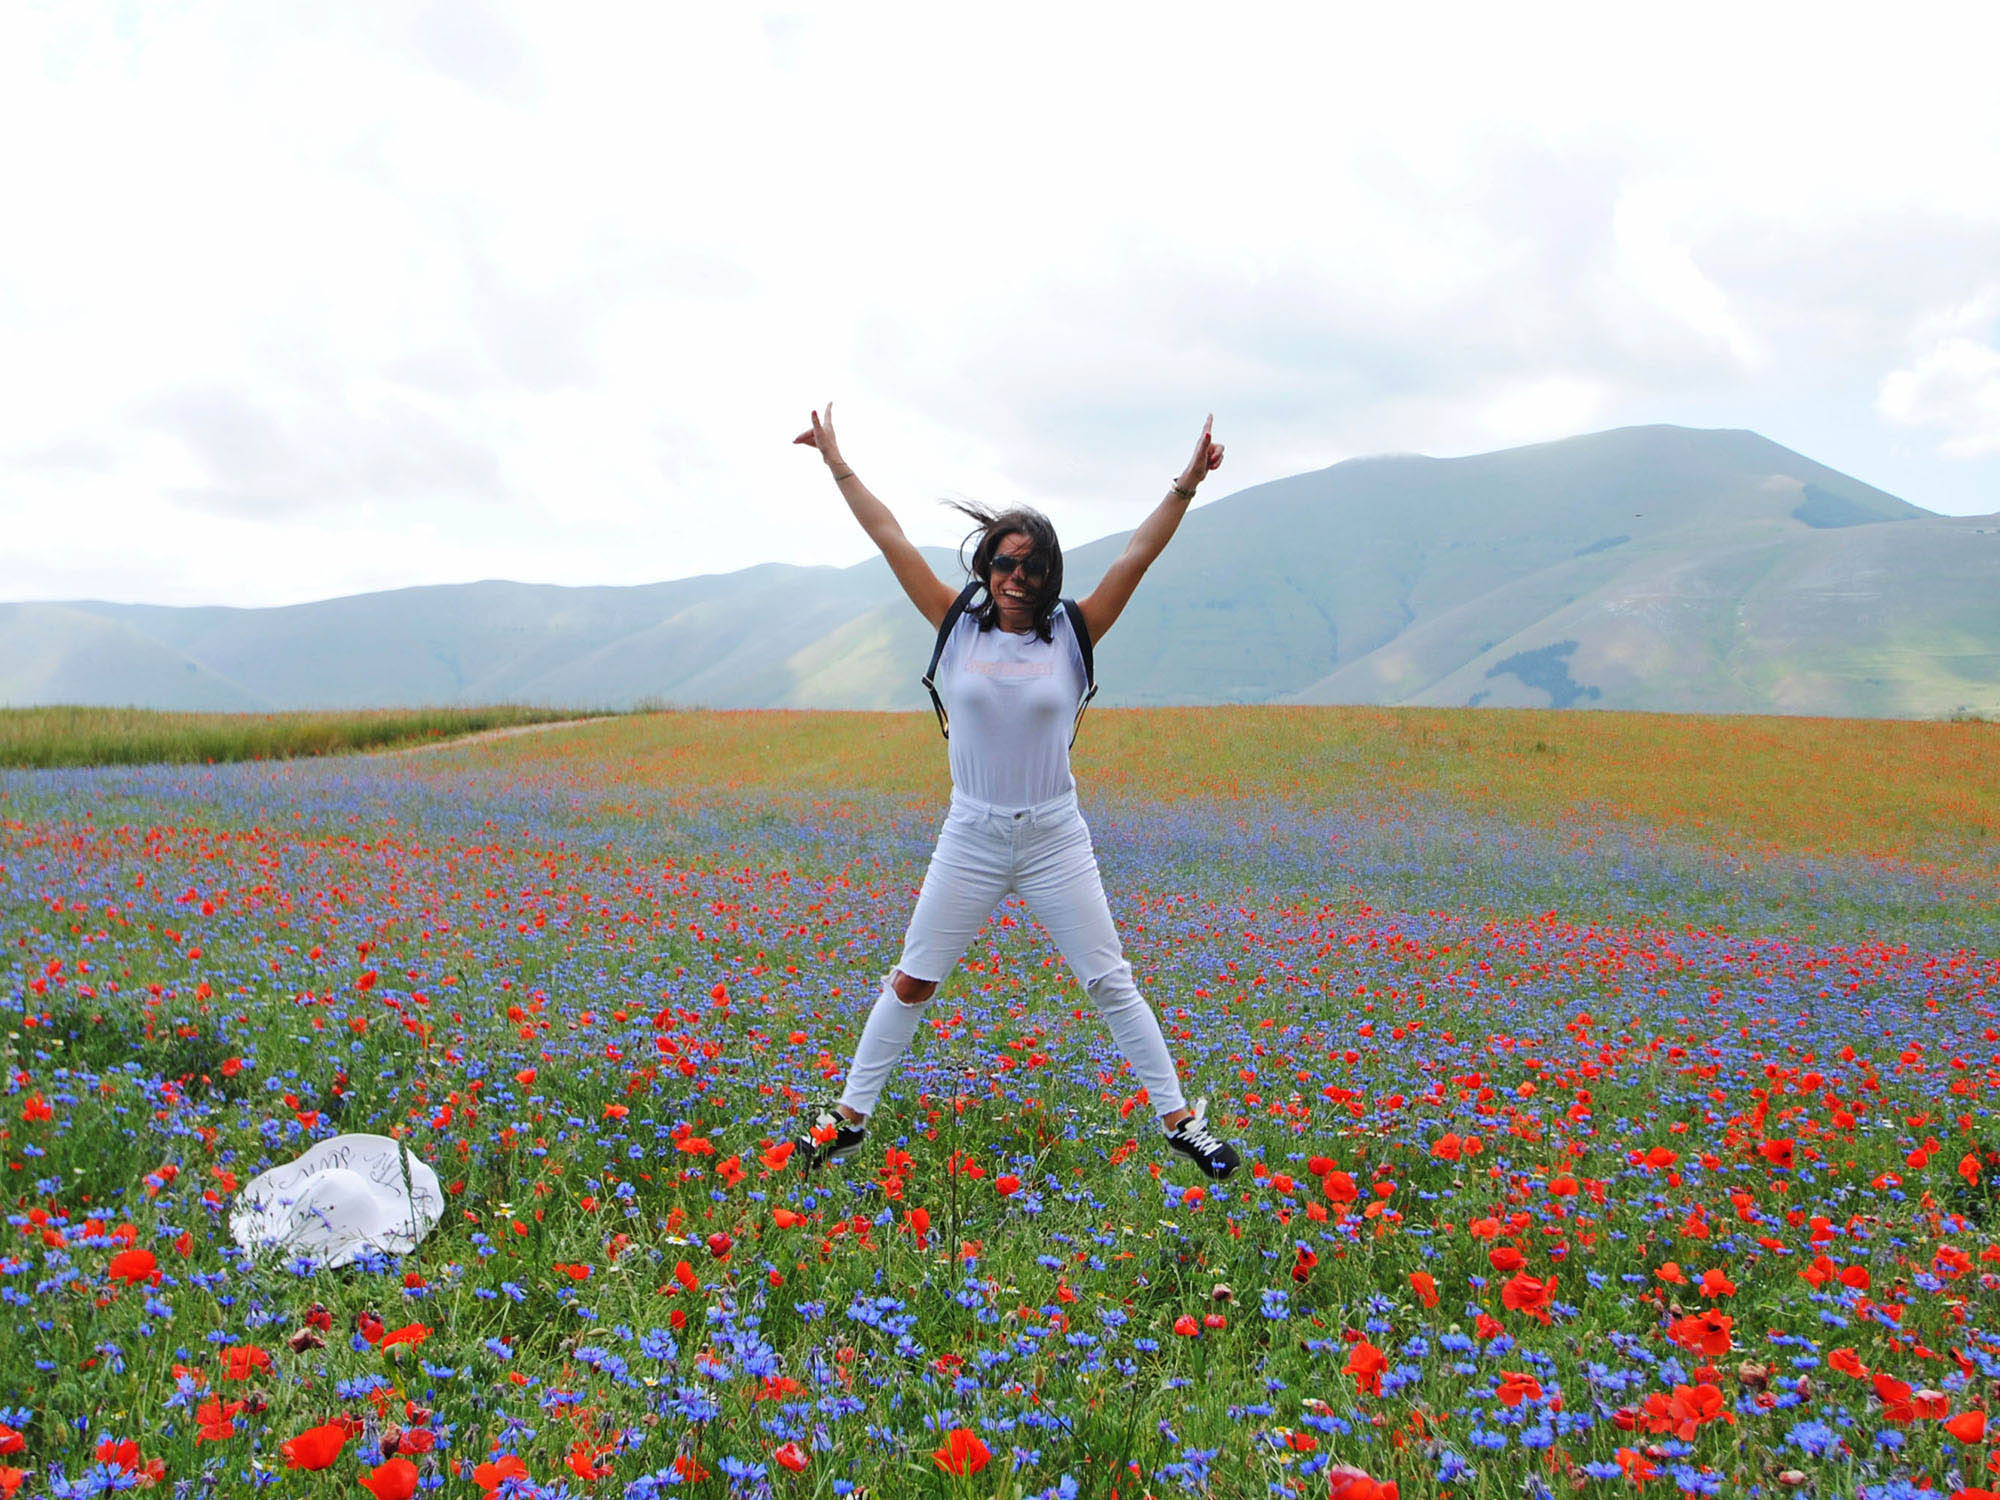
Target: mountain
1647, 568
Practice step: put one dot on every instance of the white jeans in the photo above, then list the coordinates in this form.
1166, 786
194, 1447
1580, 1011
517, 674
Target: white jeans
1044, 854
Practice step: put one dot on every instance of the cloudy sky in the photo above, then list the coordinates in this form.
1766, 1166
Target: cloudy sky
300, 301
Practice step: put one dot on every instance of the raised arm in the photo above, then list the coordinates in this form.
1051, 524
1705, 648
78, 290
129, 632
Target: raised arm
930, 593
1107, 601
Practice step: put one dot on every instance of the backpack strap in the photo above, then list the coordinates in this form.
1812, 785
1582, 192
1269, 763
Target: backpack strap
1082, 633
958, 607
937, 652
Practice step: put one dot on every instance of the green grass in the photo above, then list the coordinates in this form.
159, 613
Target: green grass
67, 735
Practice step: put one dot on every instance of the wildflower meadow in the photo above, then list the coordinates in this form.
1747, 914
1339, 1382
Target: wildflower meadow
1615, 1093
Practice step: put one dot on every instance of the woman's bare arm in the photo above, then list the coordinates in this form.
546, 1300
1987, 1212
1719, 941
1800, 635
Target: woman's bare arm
930, 593
1114, 590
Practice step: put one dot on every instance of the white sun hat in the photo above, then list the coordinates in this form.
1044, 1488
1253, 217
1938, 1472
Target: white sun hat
343, 1198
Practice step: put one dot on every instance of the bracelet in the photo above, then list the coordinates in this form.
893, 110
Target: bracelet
1184, 494
838, 477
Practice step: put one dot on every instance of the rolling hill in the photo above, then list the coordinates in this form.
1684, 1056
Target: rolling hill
1646, 568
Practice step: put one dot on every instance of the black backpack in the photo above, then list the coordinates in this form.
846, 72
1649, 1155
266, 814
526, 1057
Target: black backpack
951, 615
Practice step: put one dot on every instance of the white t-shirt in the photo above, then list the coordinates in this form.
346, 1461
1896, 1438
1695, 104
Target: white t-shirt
1012, 704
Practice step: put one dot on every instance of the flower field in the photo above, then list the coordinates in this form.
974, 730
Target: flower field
1601, 1136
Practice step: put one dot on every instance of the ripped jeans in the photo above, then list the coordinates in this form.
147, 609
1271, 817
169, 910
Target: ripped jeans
1043, 853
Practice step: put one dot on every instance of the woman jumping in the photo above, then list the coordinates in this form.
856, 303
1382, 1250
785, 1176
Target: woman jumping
1011, 678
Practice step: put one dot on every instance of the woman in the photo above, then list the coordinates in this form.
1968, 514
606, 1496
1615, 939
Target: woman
1011, 678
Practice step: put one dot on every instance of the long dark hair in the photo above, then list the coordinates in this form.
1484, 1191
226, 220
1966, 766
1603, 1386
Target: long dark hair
994, 527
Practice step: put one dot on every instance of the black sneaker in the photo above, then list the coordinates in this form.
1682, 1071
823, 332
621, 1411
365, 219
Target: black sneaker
1194, 1140
830, 1140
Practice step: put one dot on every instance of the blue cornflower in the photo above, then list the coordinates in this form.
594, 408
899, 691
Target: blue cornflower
1452, 1467
739, 1470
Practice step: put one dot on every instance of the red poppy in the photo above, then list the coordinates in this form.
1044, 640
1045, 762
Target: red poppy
1703, 1333
126, 1456
215, 1420
409, 1333
1530, 1295
1424, 1287
1685, 1410
1968, 1426
489, 1476
776, 1157
962, 1452
1366, 1363
791, 1456
394, 1480
1895, 1398
1345, 1482
134, 1266
244, 1361
315, 1448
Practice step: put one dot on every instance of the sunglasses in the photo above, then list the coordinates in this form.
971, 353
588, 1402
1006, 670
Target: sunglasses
1034, 565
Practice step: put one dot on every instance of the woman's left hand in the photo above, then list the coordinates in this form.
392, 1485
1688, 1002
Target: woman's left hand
1207, 455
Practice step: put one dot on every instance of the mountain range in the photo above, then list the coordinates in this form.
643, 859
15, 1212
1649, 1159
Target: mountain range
1658, 567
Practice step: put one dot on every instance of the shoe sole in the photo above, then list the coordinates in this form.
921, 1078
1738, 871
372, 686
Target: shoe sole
834, 1158
1214, 1176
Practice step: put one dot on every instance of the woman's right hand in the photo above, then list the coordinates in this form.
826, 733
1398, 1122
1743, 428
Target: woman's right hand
820, 436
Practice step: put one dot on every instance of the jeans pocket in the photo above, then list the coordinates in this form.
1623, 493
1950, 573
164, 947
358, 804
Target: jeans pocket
1064, 833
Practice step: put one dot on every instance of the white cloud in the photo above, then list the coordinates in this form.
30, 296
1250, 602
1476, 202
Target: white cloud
304, 299
1550, 406
1956, 387
1655, 264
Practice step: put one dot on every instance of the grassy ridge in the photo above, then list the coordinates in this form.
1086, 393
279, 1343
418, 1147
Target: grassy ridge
1928, 790
73, 736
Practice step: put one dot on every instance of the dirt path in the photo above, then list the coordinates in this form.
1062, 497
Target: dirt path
508, 732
